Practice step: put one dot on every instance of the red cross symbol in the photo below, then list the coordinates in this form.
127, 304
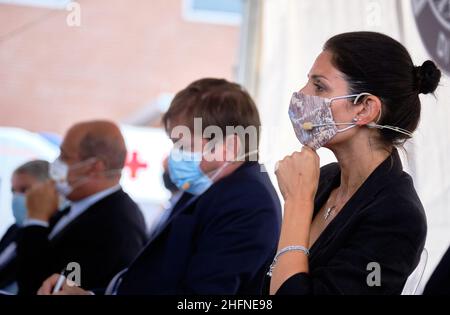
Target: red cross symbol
134, 164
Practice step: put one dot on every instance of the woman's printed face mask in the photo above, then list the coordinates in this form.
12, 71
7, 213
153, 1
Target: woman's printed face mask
312, 118
313, 122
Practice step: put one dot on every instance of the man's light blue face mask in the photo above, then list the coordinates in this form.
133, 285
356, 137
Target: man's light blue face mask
19, 207
185, 171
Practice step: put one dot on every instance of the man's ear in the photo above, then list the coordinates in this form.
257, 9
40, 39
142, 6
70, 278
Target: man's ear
98, 167
370, 110
212, 150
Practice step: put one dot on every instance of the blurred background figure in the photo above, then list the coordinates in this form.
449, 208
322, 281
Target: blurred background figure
23, 178
101, 231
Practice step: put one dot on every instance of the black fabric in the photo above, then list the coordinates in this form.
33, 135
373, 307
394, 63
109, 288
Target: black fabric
102, 240
8, 271
219, 243
383, 222
439, 283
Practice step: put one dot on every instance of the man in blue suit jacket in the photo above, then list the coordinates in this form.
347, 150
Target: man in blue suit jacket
222, 233
219, 243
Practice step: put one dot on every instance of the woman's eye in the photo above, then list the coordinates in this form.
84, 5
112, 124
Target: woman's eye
318, 87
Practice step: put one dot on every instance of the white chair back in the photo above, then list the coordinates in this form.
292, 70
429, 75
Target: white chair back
413, 281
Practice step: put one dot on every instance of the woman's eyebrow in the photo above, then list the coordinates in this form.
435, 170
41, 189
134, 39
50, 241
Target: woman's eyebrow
317, 77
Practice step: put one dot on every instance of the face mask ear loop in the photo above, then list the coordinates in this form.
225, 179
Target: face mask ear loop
84, 179
217, 172
81, 164
309, 126
221, 168
371, 124
379, 117
393, 128
359, 96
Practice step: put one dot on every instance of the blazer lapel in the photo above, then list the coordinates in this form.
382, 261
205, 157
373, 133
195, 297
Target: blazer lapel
185, 202
56, 238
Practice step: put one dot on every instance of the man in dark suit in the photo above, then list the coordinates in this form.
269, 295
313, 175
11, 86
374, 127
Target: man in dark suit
222, 233
102, 230
22, 179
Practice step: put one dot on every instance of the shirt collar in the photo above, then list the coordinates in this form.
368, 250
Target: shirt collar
81, 205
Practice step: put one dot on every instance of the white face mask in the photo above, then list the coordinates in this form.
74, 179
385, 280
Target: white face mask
313, 122
59, 172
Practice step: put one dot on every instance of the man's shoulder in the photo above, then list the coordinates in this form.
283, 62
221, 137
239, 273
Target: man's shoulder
116, 200
117, 206
250, 190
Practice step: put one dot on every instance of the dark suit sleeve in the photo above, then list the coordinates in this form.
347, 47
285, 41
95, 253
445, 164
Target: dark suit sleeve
390, 234
102, 241
9, 237
8, 270
33, 258
114, 248
236, 243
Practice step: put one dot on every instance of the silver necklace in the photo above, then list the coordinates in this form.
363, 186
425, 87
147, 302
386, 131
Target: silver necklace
329, 212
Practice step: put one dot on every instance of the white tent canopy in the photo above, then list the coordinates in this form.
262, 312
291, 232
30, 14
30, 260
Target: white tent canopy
284, 37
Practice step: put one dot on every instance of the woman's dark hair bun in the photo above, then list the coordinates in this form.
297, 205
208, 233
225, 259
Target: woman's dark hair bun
427, 77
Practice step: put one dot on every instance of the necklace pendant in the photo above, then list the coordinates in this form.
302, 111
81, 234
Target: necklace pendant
329, 212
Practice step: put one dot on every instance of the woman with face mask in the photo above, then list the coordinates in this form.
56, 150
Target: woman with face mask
356, 226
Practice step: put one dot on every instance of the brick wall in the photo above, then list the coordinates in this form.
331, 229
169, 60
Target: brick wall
124, 54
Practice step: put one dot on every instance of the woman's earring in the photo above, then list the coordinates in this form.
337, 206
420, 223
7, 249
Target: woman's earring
355, 120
